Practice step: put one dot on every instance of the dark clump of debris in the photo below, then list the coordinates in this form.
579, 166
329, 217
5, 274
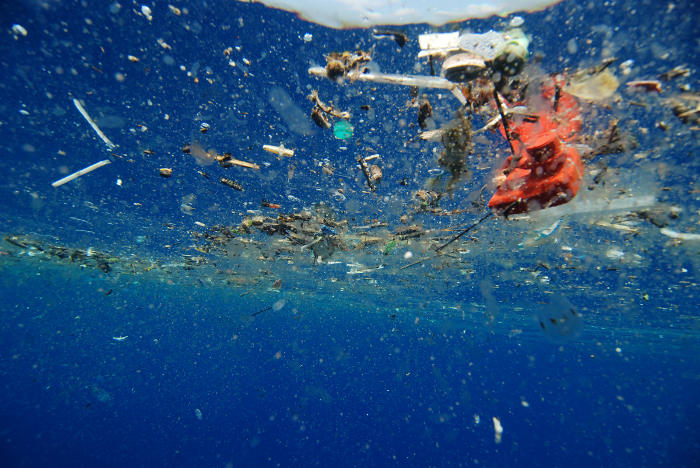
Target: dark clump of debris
88, 257
682, 108
340, 65
316, 230
458, 145
322, 112
399, 37
425, 113
610, 141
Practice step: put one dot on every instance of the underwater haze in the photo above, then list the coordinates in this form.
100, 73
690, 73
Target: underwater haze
212, 254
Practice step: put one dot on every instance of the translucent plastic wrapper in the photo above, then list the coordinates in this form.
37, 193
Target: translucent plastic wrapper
367, 13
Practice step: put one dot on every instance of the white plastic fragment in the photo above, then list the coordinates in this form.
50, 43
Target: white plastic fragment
279, 150
516, 21
538, 236
684, 236
146, 11
81, 172
437, 41
497, 430
617, 227
581, 206
100, 133
19, 30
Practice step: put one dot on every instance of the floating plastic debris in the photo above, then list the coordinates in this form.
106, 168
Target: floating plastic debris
497, 430
342, 130
19, 30
539, 235
401, 80
279, 150
593, 85
291, 114
81, 172
559, 319
684, 236
103, 137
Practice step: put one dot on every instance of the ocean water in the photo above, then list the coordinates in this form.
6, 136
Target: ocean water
307, 320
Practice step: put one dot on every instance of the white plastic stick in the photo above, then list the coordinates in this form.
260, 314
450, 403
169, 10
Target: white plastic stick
81, 172
684, 236
404, 80
593, 206
279, 150
83, 112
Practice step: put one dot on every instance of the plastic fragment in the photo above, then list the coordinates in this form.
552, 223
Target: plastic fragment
81, 172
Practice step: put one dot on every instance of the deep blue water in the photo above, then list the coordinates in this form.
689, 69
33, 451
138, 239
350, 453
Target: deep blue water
392, 367
344, 390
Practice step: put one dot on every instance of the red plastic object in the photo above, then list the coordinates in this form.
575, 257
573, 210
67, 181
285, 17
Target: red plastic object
547, 172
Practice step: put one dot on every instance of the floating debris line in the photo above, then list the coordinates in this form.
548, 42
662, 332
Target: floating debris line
81, 172
100, 133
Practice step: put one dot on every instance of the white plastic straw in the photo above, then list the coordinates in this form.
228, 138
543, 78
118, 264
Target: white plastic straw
403, 80
684, 236
83, 112
81, 172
